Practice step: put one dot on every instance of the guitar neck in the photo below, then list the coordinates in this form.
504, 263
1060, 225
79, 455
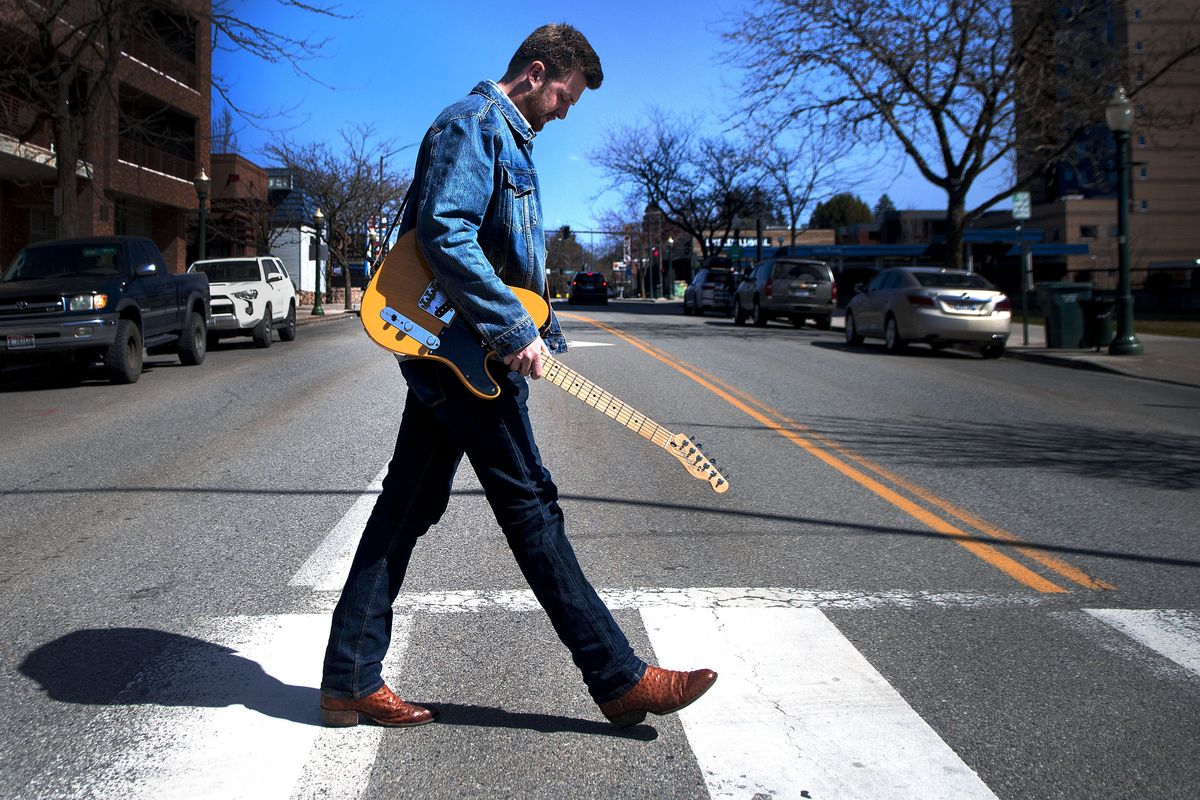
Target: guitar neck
575, 384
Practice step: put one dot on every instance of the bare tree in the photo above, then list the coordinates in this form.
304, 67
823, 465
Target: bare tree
946, 80
701, 184
802, 169
350, 184
224, 135
60, 57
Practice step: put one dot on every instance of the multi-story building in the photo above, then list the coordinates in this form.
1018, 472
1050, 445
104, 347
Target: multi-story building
143, 143
1077, 203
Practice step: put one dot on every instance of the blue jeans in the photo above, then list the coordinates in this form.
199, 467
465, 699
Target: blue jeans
441, 422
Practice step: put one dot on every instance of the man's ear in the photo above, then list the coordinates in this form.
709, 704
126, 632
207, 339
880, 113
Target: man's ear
535, 73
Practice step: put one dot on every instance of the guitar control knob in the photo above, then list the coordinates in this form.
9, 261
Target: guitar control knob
408, 326
431, 341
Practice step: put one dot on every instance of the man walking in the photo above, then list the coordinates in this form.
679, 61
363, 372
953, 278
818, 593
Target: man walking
476, 208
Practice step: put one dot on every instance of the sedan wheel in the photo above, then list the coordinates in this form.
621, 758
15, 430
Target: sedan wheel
852, 335
891, 336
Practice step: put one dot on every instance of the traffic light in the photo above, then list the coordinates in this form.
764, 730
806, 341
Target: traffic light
654, 252
564, 233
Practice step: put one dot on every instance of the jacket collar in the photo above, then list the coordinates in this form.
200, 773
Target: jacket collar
516, 121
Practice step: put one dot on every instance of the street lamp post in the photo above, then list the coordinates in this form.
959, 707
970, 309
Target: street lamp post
202, 184
1119, 116
318, 309
671, 266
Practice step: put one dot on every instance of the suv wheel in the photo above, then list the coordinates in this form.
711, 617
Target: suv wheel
852, 335
739, 313
687, 310
263, 330
287, 331
757, 317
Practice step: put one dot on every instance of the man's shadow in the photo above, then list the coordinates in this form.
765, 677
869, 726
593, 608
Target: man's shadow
141, 666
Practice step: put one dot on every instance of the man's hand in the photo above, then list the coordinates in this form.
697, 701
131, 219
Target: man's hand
528, 361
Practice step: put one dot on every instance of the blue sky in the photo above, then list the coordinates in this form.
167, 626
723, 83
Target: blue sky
395, 65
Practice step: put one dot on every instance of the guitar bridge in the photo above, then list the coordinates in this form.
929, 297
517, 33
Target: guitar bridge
410, 328
435, 303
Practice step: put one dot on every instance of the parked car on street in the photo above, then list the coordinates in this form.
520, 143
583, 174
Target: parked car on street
710, 290
110, 298
789, 288
938, 307
588, 287
251, 296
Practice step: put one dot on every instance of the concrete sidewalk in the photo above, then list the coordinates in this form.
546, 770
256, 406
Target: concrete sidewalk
304, 315
1171, 359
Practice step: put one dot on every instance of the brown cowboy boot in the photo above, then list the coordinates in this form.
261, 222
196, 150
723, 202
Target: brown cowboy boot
660, 691
383, 708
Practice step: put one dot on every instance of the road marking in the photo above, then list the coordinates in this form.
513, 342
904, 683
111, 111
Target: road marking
576, 343
326, 569
1172, 634
235, 715
982, 550
797, 711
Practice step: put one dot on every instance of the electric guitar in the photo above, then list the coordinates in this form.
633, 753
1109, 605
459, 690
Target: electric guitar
404, 311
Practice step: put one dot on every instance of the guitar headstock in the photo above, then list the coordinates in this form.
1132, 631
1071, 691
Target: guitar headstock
695, 462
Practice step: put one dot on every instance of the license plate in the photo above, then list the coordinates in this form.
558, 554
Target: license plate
966, 307
20, 342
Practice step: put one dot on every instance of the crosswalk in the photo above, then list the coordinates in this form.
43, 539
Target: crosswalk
230, 710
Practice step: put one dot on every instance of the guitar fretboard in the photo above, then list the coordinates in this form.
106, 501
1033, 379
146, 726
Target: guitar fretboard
573, 383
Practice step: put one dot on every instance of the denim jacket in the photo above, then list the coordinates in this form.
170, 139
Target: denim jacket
477, 208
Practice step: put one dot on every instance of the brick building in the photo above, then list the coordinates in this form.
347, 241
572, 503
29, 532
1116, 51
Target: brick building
141, 149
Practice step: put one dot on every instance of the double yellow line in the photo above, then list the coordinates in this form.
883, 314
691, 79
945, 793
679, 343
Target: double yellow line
965, 531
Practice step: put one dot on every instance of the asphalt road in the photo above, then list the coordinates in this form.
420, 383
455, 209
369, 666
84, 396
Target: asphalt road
933, 576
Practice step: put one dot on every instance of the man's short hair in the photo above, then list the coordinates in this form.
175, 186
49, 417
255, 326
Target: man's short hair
563, 49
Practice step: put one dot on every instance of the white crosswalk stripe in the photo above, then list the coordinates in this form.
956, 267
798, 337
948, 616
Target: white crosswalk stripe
1172, 634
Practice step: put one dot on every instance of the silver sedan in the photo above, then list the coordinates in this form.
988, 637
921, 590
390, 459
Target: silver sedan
938, 307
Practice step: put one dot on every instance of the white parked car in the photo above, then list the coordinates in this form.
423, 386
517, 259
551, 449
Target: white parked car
938, 307
251, 296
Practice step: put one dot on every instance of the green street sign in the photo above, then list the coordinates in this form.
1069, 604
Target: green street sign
1020, 205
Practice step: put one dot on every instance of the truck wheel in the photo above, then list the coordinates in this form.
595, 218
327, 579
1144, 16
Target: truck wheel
193, 341
263, 330
287, 333
124, 357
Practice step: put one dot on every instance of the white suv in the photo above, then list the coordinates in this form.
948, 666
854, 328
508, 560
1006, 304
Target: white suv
251, 296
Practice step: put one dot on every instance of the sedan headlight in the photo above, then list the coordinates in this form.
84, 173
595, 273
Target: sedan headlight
87, 302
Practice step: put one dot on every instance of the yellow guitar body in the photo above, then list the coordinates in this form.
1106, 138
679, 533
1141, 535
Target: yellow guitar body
404, 311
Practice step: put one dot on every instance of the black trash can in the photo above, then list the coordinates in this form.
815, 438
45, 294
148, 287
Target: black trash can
1060, 303
1097, 322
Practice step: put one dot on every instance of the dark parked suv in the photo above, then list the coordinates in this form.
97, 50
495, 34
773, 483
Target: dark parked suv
787, 288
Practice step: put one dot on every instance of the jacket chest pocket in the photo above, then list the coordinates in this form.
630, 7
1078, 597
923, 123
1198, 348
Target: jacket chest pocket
519, 199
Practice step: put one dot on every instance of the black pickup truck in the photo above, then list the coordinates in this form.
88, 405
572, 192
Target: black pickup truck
105, 297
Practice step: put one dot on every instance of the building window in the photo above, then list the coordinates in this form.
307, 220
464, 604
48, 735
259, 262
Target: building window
1137, 13
1137, 46
1145, 205
1141, 140
1142, 173
1087, 232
